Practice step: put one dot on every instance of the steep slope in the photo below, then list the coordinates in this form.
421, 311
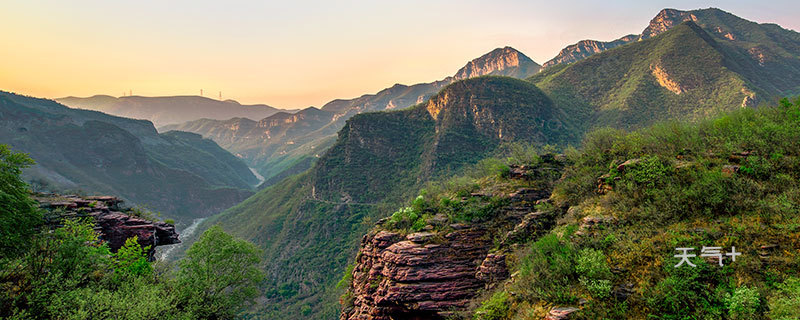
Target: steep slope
309, 224
505, 61
169, 110
293, 145
585, 48
683, 73
769, 44
605, 244
179, 174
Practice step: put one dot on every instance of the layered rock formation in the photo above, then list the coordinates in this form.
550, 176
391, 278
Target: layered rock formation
432, 274
114, 223
500, 62
586, 48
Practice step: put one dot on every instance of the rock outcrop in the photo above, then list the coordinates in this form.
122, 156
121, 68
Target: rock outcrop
114, 223
430, 275
505, 61
586, 48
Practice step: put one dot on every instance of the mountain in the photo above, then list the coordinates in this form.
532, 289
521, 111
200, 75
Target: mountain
169, 110
308, 223
179, 174
719, 24
585, 48
593, 235
505, 61
684, 73
292, 146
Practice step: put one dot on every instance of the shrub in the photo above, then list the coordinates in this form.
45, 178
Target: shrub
785, 303
687, 293
495, 308
131, 259
745, 303
548, 269
18, 213
649, 171
594, 273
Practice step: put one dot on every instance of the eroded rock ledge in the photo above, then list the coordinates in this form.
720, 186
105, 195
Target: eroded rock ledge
114, 223
429, 275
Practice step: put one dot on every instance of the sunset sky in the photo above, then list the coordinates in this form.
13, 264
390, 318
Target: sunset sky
292, 54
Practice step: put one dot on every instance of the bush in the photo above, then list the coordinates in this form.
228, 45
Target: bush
745, 303
131, 259
495, 308
687, 293
785, 303
594, 273
18, 212
219, 275
548, 269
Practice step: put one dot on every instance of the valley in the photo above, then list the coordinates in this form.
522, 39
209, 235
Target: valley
507, 190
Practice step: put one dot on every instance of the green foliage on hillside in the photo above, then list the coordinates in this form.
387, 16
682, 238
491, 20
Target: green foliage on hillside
309, 225
70, 274
67, 272
730, 181
18, 213
683, 73
80, 151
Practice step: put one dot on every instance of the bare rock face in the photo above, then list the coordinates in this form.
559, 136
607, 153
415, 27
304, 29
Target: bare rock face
397, 278
665, 20
114, 223
586, 48
430, 274
502, 62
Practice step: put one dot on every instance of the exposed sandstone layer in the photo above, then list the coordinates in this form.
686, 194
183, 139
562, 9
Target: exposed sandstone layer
430, 275
114, 223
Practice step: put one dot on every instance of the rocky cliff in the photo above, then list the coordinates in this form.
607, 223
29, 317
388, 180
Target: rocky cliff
505, 61
114, 222
433, 273
586, 48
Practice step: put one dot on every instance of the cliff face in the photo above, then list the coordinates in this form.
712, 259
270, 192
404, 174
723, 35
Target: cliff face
434, 273
114, 223
500, 62
665, 20
586, 48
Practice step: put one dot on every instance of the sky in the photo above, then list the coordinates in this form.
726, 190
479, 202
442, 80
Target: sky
298, 53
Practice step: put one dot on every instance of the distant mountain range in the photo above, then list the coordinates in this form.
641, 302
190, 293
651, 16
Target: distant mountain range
283, 143
686, 65
179, 174
170, 110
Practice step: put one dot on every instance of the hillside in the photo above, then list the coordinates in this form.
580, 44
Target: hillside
309, 224
179, 174
294, 144
381, 159
162, 111
598, 239
762, 42
683, 73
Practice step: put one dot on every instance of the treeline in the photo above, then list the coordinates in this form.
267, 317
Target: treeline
68, 273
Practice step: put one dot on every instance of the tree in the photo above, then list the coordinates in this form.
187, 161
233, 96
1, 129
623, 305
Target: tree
18, 212
219, 275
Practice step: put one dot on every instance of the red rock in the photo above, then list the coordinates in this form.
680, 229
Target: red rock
561, 313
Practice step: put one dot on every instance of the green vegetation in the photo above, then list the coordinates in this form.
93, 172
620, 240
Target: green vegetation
66, 272
682, 185
87, 152
18, 213
218, 273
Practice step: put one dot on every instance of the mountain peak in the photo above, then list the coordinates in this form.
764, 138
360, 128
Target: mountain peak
585, 48
505, 61
666, 19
